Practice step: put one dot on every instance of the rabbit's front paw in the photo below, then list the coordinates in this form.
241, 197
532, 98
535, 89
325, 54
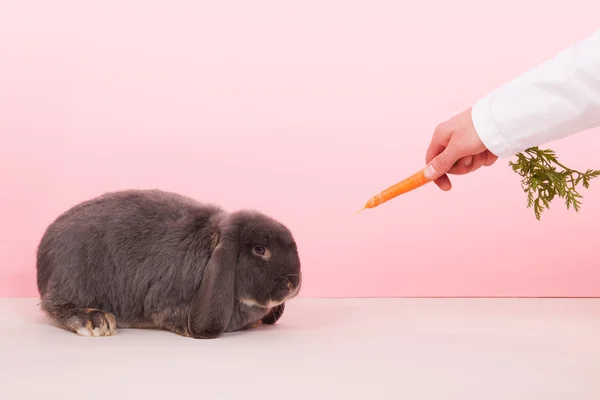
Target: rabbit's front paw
92, 322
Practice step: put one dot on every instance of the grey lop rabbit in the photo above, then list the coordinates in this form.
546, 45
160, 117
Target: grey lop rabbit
159, 260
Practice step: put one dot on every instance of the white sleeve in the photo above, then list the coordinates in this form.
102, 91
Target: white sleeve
558, 98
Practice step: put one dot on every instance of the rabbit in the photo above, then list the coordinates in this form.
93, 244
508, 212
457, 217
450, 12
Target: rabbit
159, 260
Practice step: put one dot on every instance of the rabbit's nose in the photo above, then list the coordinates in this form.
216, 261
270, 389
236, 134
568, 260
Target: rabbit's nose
289, 285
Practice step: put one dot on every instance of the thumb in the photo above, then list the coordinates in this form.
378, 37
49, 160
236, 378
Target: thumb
442, 163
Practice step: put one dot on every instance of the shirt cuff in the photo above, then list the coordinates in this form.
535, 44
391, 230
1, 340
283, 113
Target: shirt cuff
487, 129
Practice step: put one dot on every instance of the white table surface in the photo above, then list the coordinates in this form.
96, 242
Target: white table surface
480, 349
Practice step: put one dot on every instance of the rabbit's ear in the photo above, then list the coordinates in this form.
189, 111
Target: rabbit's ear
213, 302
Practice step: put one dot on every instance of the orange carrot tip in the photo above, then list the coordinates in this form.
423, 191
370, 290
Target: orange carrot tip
411, 183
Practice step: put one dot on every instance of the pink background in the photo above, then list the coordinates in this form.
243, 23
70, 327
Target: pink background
303, 110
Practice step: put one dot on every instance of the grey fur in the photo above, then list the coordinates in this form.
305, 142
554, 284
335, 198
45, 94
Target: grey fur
156, 259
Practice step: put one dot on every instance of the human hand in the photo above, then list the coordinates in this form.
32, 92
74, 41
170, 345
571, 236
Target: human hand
456, 149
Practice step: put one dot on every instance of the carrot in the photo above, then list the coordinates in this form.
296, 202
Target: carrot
411, 183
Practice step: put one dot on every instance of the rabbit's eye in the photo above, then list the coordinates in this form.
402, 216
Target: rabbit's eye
260, 250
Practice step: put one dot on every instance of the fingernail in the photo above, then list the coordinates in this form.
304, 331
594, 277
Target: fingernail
429, 172
468, 161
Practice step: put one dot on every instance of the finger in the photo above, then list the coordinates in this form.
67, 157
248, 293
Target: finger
462, 166
433, 151
478, 161
469, 164
490, 158
439, 142
467, 161
443, 162
444, 183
